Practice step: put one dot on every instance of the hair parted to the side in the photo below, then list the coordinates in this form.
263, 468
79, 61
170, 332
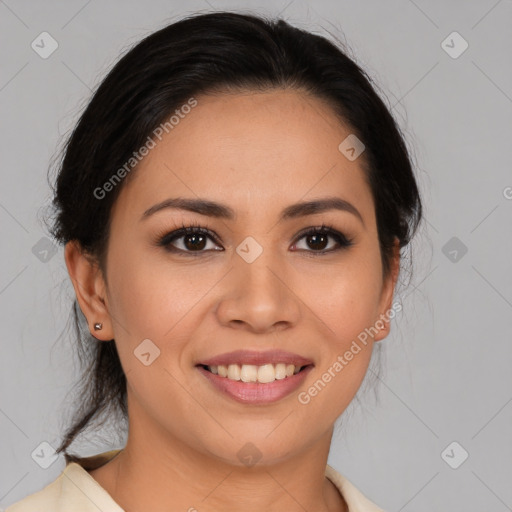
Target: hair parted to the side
200, 54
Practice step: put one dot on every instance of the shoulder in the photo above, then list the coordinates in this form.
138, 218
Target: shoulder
43, 500
355, 499
73, 489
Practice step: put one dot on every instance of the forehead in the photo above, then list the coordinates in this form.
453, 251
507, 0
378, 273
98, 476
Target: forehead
272, 147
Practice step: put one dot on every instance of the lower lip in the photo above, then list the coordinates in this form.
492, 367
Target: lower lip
256, 392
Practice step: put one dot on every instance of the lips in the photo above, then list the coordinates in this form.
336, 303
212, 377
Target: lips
255, 393
257, 358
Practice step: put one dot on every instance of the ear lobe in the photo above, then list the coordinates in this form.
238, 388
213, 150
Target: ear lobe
90, 289
388, 290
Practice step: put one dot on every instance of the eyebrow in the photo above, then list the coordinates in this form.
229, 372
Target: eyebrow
221, 211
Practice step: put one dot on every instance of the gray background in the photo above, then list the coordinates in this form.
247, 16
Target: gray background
447, 362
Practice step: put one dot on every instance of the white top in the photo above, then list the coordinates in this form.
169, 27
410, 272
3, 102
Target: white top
76, 490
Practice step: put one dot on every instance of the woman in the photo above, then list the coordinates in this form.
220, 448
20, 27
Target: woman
233, 202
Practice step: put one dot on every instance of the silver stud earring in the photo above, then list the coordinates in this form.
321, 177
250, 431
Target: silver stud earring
98, 326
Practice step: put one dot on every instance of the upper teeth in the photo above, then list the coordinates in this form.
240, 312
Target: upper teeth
252, 373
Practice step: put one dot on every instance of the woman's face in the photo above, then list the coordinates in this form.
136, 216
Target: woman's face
254, 283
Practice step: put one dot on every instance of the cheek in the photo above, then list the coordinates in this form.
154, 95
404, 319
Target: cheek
157, 302
346, 306
149, 300
347, 299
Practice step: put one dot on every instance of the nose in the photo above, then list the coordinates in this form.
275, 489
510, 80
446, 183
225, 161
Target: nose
259, 296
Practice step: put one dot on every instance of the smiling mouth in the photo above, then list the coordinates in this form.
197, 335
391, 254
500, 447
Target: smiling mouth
248, 373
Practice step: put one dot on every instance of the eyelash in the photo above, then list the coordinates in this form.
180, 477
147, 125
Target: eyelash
193, 228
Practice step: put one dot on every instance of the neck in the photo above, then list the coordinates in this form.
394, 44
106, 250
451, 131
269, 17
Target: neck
163, 474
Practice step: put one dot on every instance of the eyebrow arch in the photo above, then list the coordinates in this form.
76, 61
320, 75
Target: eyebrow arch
213, 209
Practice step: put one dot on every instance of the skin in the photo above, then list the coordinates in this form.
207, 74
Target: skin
257, 152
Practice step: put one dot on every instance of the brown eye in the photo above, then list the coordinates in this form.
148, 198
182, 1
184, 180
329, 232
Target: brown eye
191, 239
194, 241
317, 239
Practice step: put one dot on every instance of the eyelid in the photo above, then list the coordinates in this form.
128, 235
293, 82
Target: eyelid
165, 238
343, 240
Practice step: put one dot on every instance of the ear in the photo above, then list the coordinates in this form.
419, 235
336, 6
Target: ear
386, 299
90, 289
